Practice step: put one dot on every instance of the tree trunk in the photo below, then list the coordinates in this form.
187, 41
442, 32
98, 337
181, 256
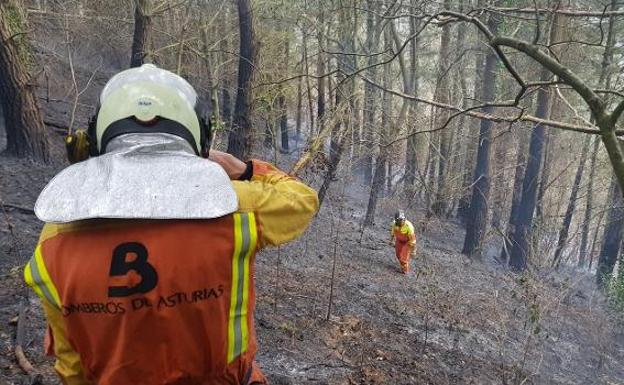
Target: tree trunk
320, 69
612, 239
603, 82
463, 207
540, 215
281, 102
567, 219
142, 32
519, 238
521, 159
342, 98
370, 92
308, 84
25, 131
477, 219
269, 136
583, 251
335, 154
439, 206
299, 111
240, 140
378, 181
411, 156
380, 165
226, 97
500, 184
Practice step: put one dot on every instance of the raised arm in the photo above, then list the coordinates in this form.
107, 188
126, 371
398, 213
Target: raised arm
284, 205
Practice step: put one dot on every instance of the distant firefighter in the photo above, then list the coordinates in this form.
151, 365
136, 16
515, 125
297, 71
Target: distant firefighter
404, 239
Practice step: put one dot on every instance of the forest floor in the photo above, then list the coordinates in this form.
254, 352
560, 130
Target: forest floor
450, 321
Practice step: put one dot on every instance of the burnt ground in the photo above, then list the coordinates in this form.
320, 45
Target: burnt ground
453, 321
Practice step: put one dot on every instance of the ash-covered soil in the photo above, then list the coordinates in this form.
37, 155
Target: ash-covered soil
452, 321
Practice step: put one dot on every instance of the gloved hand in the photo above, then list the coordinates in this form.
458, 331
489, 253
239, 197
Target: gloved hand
232, 166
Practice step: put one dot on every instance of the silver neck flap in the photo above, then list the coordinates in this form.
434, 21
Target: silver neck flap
155, 142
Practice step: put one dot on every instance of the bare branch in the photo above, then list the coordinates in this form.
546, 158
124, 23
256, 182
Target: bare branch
617, 112
566, 12
595, 102
495, 118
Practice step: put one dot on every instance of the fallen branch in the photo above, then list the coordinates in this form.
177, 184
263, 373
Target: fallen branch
26, 210
33, 374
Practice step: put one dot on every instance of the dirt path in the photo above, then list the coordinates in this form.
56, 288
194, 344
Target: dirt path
452, 322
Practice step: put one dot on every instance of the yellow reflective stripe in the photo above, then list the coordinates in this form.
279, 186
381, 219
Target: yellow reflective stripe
238, 240
37, 277
251, 229
30, 281
245, 239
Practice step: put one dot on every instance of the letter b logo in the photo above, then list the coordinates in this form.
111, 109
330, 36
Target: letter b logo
120, 267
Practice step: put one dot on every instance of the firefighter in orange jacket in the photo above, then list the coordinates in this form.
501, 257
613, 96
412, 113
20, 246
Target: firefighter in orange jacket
404, 239
145, 265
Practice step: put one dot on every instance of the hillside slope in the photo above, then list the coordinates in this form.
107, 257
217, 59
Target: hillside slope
452, 321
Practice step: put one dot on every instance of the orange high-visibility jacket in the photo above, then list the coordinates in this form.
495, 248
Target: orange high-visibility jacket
163, 301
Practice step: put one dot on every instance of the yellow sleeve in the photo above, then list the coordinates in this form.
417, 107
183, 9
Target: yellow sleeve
67, 365
36, 275
284, 205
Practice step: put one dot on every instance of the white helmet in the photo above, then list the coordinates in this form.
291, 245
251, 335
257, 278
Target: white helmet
147, 99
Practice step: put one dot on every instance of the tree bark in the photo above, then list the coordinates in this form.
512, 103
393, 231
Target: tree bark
544, 179
25, 130
281, 101
604, 81
612, 238
370, 93
499, 183
463, 207
519, 238
439, 206
477, 219
412, 145
380, 173
320, 69
342, 98
567, 219
240, 139
299, 111
378, 181
225, 94
521, 159
142, 32
583, 248
335, 153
